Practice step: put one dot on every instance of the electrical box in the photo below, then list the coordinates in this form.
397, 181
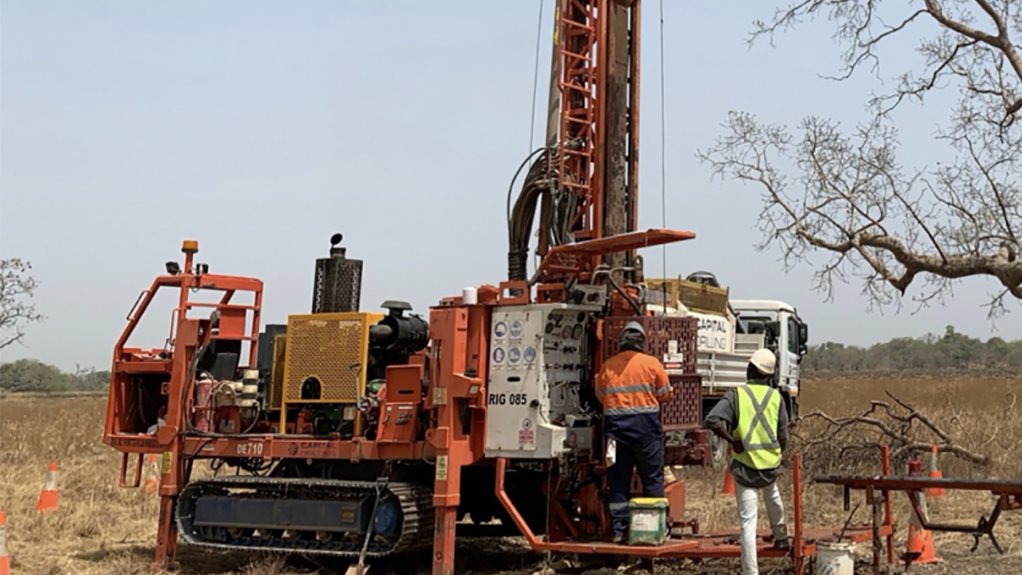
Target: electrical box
539, 355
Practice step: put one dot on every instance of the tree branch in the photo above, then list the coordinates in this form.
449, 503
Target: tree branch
857, 205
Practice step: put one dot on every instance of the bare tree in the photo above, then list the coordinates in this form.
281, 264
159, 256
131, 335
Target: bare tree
849, 443
847, 195
16, 287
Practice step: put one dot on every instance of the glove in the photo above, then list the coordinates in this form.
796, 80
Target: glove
737, 446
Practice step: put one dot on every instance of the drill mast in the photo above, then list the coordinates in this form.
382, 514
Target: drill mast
597, 79
587, 177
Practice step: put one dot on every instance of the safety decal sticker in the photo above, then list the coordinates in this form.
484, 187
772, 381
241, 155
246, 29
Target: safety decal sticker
516, 328
498, 355
441, 468
527, 435
530, 354
500, 329
514, 355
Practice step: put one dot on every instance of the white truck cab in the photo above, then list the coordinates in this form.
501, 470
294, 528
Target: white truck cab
786, 334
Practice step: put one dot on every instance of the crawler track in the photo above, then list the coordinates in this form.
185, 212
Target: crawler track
285, 498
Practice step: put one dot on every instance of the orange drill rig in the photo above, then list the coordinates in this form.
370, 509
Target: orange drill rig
361, 434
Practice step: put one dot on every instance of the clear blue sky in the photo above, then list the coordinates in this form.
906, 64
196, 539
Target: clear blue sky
260, 128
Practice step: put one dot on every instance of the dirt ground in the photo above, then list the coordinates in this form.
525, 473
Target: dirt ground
102, 529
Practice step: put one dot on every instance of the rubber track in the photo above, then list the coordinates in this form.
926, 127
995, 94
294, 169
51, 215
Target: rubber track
416, 507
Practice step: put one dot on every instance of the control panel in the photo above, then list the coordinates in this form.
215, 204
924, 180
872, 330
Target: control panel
538, 356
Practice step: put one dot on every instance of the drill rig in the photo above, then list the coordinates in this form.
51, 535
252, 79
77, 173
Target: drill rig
362, 434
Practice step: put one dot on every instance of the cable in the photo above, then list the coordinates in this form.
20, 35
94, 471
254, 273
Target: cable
663, 154
535, 75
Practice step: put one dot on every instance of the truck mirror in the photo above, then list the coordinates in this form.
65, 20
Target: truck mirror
773, 329
803, 338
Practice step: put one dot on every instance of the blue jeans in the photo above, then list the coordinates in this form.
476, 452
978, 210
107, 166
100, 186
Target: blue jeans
649, 459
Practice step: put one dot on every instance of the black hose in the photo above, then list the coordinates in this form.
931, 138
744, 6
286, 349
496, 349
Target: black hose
521, 217
631, 301
511, 186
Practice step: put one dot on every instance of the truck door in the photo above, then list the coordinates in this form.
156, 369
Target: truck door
789, 351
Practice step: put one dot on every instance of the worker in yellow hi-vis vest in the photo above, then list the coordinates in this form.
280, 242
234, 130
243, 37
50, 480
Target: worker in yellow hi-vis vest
753, 419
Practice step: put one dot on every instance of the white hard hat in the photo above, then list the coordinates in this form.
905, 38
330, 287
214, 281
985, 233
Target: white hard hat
764, 360
634, 326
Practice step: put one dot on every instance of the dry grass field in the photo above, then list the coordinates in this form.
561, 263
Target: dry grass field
101, 529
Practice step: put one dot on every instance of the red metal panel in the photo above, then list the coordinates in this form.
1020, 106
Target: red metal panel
232, 322
399, 412
684, 410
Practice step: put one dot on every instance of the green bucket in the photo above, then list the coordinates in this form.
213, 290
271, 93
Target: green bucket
647, 522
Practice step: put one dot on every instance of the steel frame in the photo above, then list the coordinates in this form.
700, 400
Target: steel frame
720, 545
1007, 493
187, 336
575, 259
580, 33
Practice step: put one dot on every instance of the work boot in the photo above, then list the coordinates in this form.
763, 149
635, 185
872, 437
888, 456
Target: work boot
782, 544
618, 539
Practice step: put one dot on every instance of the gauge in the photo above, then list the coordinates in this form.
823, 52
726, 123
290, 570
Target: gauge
549, 327
581, 317
566, 332
576, 333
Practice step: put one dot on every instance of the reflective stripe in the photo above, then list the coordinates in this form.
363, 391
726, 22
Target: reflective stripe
628, 389
630, 382
632, 410
663, 390
759, 418
618, 506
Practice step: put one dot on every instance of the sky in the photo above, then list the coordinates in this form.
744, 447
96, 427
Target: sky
261, 128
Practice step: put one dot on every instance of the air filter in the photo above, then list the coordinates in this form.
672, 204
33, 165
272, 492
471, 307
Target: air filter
338, 283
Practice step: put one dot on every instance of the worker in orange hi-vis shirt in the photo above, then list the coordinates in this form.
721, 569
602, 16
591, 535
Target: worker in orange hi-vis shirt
631, 386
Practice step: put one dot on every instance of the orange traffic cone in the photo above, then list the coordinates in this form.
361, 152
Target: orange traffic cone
152, 475
935, 474
5, 561
49, 496
729, 482
919, 548
920, 545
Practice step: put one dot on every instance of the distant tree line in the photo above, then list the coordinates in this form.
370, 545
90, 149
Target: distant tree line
34, 375
950, 352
